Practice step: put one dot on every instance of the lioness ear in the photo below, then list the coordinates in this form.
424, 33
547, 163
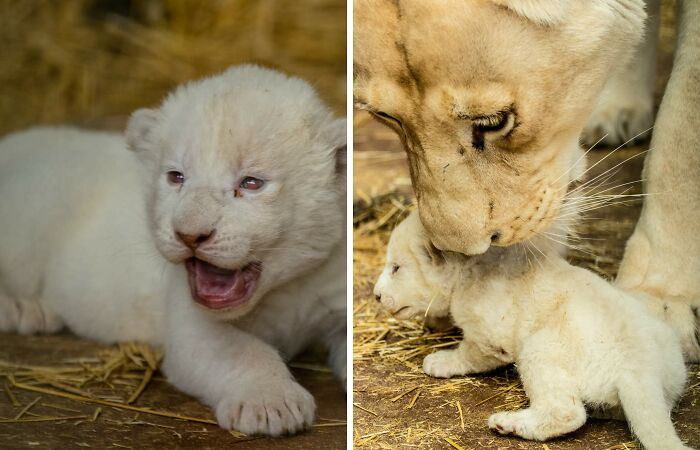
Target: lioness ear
542, 12
140, 131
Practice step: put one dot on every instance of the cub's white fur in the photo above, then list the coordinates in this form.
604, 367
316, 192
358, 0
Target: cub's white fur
80, 212
575, 339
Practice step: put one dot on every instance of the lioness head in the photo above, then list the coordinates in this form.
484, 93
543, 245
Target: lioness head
417, 278
248, 182
489, 98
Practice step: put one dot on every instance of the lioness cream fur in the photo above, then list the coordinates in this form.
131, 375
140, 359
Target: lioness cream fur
490, 98
662, 258
575, 339
238, 181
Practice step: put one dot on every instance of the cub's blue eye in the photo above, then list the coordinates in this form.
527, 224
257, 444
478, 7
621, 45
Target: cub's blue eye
251, 183
175, 177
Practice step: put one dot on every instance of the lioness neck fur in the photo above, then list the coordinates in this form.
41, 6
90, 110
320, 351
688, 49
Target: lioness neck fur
575, 339
260, 187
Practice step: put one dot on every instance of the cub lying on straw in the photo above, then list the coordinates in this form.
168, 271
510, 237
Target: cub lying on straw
238, 181
597, 346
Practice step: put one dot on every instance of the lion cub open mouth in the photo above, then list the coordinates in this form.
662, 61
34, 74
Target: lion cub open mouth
217, 288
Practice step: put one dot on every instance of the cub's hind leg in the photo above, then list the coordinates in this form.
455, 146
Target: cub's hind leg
556, 407
26, 317
9, 314
34, 318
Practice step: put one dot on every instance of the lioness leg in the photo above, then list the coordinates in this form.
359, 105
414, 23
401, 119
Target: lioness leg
625, 107
662, 258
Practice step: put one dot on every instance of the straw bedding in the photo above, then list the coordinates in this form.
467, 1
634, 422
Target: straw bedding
82, 61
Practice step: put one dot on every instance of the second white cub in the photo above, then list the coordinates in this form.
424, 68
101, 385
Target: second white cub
595, 347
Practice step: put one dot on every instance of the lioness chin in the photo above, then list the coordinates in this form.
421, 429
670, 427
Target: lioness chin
238, 182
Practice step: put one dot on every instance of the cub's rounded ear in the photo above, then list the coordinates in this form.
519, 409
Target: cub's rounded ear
141, 129
336, 133
341, 160
542, 12
436, 256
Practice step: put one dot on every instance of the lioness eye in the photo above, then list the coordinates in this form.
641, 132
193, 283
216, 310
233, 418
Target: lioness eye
386, 117
395, 268
175, 177
251, 183
496, 122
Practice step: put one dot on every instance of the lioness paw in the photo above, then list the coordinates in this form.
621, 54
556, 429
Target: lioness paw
444, 364
272, 410
624, 113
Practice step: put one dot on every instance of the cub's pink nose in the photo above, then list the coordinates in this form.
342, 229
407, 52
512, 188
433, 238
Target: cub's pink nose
194, 240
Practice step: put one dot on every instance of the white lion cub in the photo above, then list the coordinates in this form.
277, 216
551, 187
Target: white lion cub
219, 237
595, 346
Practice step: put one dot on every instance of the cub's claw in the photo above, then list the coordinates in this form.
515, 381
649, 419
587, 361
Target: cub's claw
271, 410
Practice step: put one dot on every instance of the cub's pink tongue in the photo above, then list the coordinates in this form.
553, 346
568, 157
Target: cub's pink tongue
217, 288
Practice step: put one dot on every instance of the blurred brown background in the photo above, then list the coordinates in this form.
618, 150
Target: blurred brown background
92, 62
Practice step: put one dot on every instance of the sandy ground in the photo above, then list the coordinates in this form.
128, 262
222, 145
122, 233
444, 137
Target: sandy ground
396, 405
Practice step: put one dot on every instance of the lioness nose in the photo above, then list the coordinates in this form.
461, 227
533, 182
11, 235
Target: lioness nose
378, 297
194, 240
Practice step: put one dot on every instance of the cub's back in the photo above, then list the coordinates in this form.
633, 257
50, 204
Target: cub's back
51, 182
75, 233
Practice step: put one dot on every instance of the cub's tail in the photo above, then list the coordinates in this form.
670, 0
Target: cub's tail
649, 414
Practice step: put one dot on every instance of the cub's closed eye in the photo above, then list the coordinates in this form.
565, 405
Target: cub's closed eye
175, 178
251, 183
395, 268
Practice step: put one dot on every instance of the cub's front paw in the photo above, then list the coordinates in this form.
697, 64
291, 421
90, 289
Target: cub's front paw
444, 364
271, 409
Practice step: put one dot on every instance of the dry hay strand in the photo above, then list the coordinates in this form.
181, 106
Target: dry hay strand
115, 378
380, 213
118, 374
82, 60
